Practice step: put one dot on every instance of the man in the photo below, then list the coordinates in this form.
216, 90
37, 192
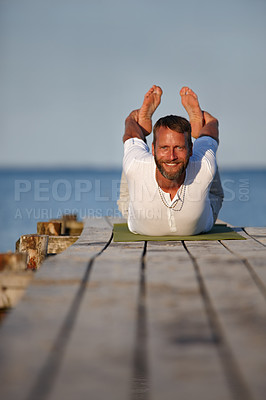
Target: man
175, 190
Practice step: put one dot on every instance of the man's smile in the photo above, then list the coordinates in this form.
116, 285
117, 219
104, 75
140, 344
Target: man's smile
171, 164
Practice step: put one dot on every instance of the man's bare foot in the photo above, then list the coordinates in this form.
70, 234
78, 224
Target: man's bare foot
151, 101
190, 102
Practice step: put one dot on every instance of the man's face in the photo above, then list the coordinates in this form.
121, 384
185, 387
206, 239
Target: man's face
171, 153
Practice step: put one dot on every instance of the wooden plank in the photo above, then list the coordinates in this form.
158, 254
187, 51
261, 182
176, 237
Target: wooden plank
35, 334
73, 227
243, 247
58, 244
184, 361
253, 255
256, 263
258, 233
71, 265
96, 230
212, 248
49, 228
35, 246
13, 262
27, 337
99, 357
13, 278
12, 287
240, 313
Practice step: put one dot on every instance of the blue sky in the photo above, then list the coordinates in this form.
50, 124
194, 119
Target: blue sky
72, 70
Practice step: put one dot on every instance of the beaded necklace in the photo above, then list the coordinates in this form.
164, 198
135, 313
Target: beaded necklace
172, 206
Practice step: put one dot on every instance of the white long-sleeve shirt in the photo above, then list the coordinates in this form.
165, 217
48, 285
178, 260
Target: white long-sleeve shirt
150, 211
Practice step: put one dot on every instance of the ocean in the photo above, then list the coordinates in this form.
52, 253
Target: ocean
31, 195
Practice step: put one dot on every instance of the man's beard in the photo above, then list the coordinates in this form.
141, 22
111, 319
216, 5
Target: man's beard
174, 175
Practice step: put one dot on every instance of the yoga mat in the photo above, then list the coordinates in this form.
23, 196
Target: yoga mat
218, 232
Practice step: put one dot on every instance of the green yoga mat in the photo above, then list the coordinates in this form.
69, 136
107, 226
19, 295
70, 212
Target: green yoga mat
218, 232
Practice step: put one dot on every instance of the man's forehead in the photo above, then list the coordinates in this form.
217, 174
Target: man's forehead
164, 133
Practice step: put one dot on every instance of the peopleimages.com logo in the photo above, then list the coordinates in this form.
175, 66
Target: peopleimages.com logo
64, 190
236, 190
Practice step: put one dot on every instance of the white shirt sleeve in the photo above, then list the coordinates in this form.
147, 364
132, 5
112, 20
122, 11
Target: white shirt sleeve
135, 149
204, 149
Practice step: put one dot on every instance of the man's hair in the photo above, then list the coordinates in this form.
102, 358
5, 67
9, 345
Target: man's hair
175, 123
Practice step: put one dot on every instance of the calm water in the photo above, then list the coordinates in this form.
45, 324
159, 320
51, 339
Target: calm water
29, 196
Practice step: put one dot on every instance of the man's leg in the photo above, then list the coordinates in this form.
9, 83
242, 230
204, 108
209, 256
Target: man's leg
123, 200
190, 102
150, 103
216, 195
197, 119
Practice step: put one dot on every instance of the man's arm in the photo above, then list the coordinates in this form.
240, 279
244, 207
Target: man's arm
132, 128
211, 127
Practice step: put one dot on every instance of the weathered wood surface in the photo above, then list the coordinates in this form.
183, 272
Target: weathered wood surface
13, 262
183, 347
35, 246
258, 234
13, 278
12, 287
49, 228
73, 227
238, 310
35, 334
69, 225
140, 321
58, 244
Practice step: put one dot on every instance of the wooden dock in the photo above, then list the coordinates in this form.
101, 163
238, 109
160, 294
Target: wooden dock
142, 320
